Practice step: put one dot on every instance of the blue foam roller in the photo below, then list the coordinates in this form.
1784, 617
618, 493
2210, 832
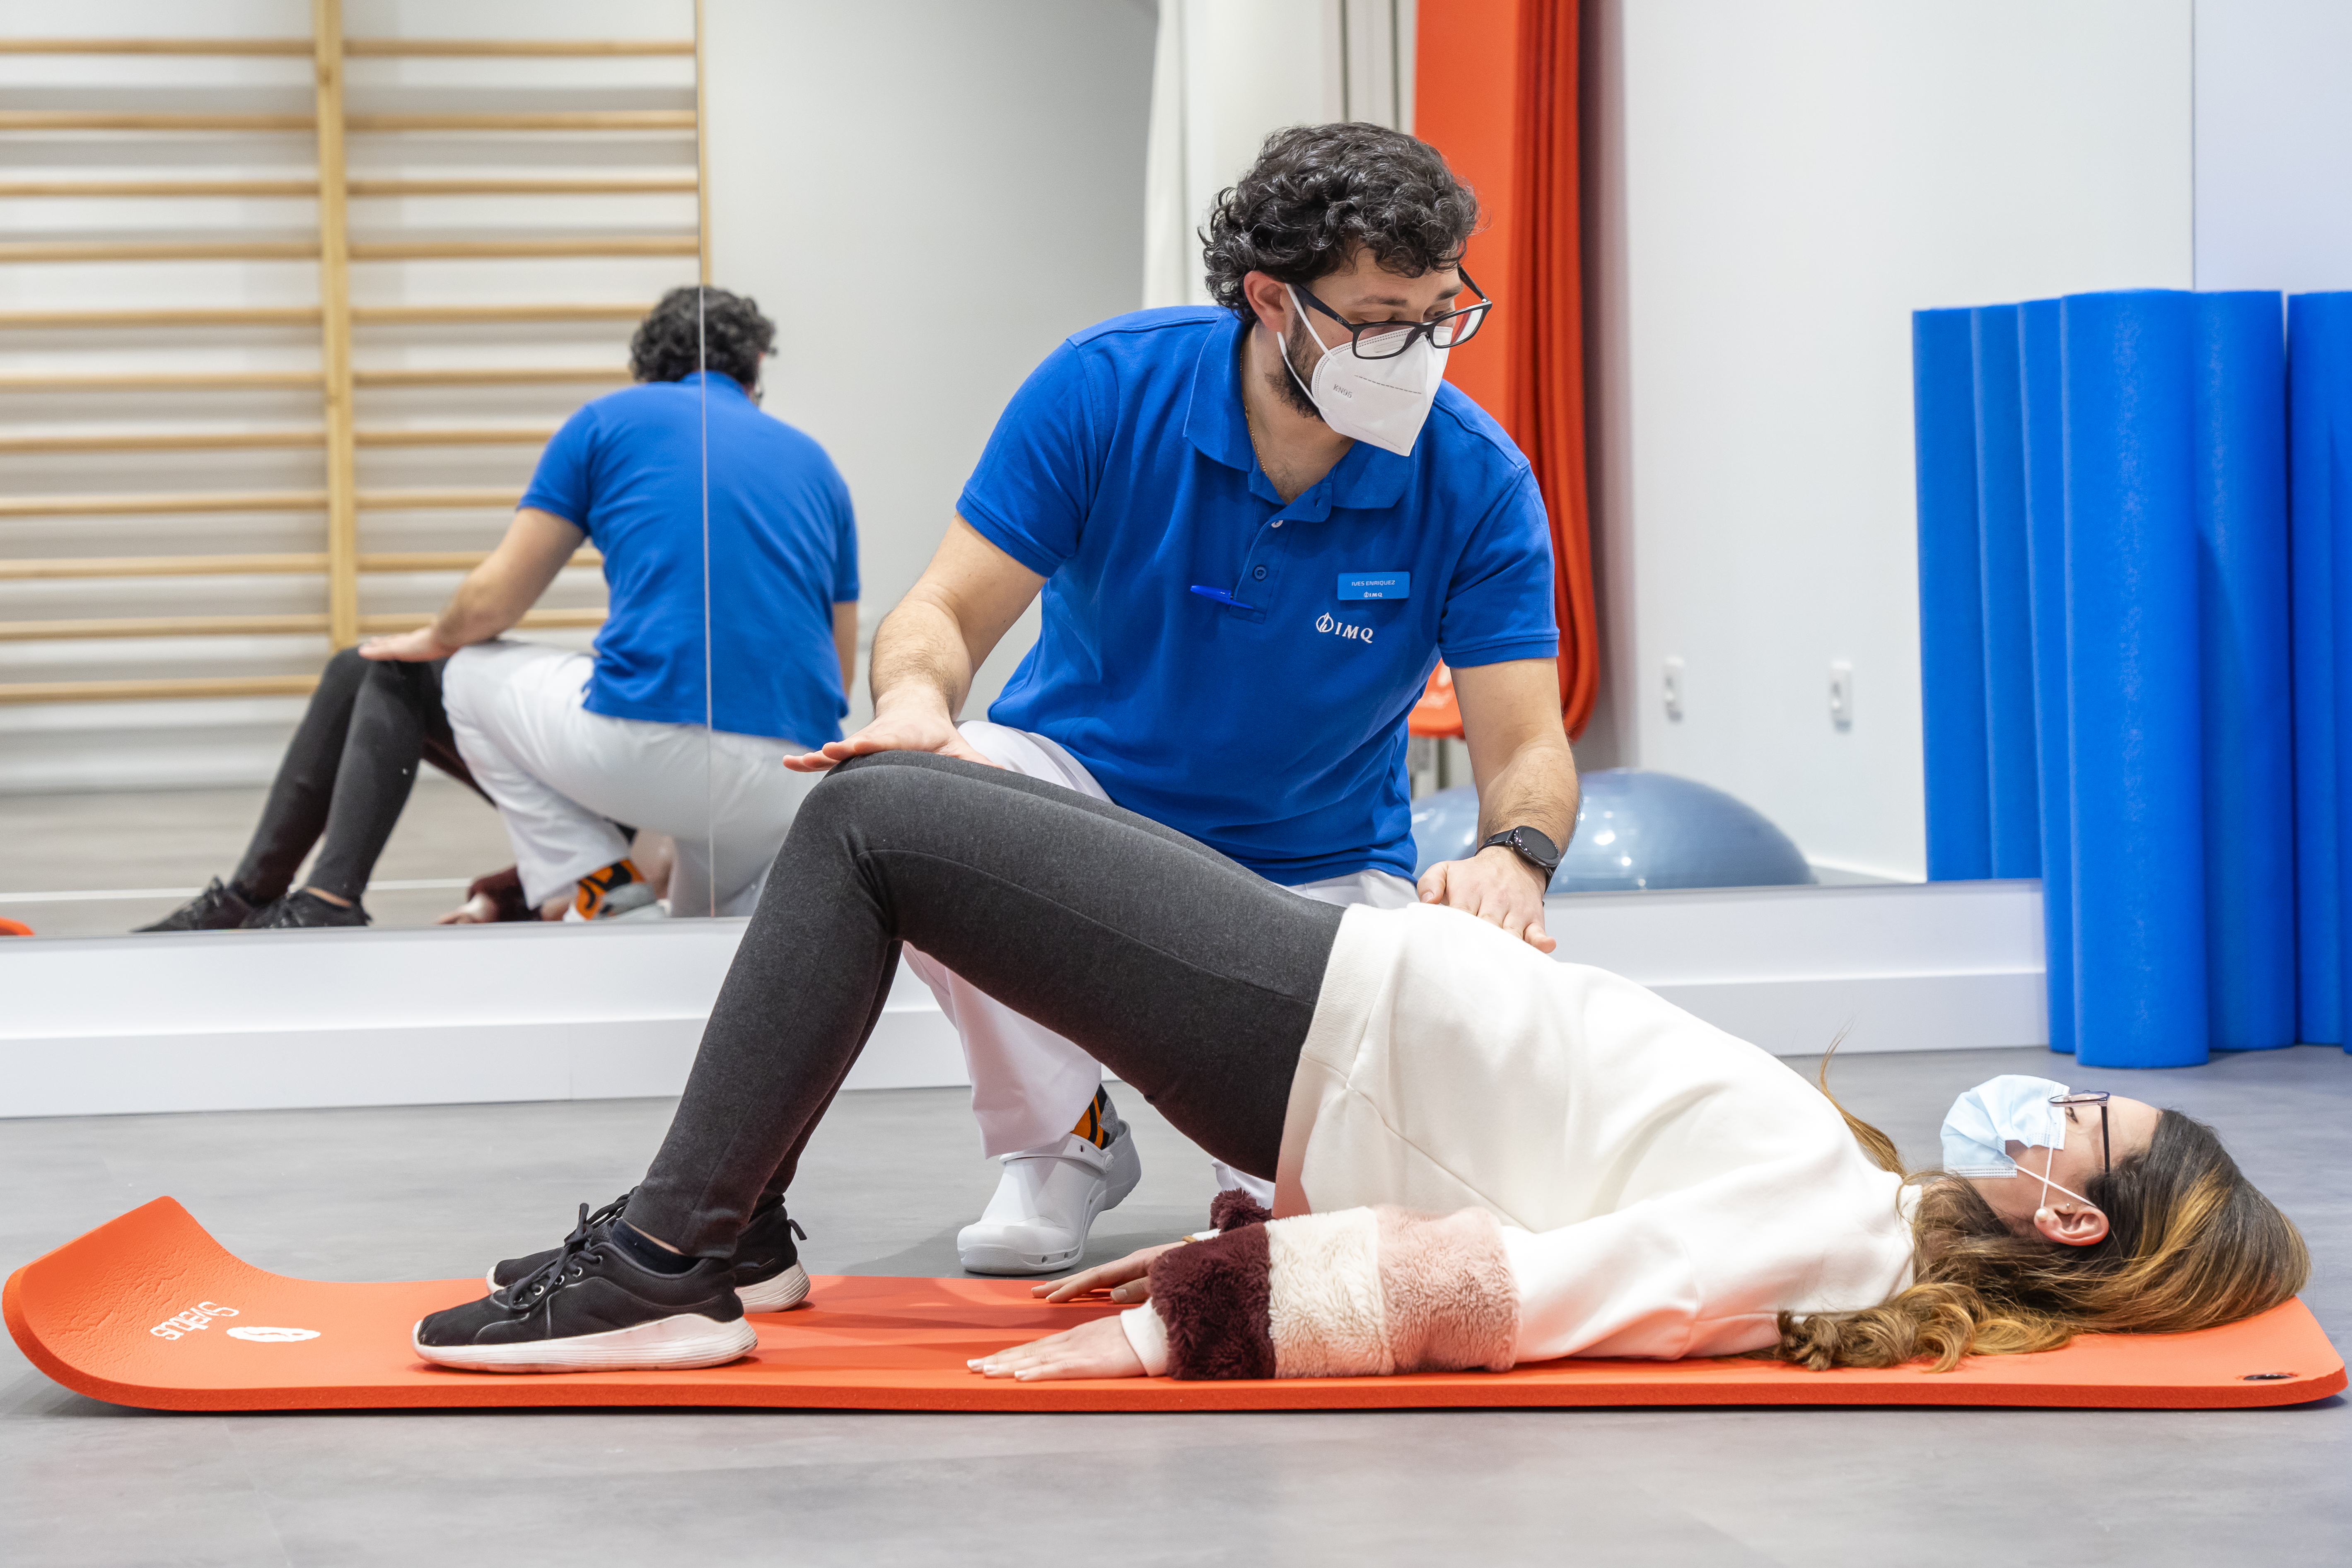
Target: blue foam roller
2319, 398
1951, 603
2014, 809
2131, 652
2247, 709
2045, 526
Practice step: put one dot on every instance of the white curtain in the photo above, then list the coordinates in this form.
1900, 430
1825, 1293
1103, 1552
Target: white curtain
1230, 72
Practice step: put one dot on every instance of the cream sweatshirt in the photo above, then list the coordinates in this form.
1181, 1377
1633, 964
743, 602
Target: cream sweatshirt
1642, 1182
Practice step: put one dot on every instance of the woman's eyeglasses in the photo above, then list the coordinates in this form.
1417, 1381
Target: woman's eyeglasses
1386, 340
2099, 1099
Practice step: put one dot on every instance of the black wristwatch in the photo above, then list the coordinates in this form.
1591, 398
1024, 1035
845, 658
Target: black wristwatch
1529, 846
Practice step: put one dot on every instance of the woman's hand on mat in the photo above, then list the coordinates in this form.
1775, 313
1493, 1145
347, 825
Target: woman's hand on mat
1127, 1280
409, 647
1498, 887
1098, 1349
912, 727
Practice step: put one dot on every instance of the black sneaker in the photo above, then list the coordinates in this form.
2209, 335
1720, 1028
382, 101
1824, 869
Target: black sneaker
767, 1273
219, 907
303, 910
591, 1308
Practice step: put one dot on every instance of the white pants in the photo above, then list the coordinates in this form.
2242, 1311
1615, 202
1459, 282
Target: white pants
1029, 1085
562, 776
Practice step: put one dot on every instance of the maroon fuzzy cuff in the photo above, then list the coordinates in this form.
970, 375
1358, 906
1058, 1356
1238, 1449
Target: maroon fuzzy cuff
1212, 1296
1234, 1208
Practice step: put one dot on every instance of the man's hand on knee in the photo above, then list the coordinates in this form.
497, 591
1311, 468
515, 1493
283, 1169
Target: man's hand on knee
912, 727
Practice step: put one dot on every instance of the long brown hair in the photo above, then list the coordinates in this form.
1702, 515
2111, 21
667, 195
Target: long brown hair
2190, 1243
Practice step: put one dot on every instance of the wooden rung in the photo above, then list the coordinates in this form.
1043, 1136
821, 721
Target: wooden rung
420, 315
162, 626
159, 188
153, 250
68, 567
421, 49
157, 690
294, 624
161, 441
530, 435
486, 376
402, 501
533, 620
156, 381
159, 502
93, 119
634, 184
230, 316
452, 560
156, 46
443, 249
64, 568
561, 119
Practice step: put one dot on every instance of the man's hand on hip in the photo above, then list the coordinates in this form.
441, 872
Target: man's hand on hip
911, 728
1497, 885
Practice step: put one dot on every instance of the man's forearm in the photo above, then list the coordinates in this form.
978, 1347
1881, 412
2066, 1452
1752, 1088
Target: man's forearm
919, 658
1536, 789
470, 616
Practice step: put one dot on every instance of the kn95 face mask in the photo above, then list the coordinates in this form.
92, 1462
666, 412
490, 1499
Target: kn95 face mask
1983, 1121
1383, 402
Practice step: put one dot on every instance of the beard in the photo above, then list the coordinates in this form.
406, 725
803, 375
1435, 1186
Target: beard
1292, 388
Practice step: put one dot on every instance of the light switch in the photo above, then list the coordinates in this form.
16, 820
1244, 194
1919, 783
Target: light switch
1842, 693
1673, 690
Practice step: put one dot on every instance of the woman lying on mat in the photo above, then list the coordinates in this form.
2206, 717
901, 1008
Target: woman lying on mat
1482, 1156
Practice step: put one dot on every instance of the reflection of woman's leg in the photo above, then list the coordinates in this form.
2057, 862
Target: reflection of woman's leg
297, 810
385, 742
1188, 976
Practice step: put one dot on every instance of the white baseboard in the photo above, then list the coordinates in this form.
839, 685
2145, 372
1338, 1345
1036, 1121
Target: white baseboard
219, 1021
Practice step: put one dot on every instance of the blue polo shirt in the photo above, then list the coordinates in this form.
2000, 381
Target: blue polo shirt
626, 470
1273, 728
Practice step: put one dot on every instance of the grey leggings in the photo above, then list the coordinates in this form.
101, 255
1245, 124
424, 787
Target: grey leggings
1191, 978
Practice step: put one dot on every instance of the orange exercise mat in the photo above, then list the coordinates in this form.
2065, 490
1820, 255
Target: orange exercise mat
149, 1309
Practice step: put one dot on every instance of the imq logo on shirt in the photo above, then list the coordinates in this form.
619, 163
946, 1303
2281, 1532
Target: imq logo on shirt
1339, 629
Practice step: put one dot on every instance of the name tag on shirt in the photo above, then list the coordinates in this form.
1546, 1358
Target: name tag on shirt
1354, 585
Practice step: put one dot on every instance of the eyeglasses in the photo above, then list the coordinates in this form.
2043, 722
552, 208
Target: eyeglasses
2099, 1099
1386, 340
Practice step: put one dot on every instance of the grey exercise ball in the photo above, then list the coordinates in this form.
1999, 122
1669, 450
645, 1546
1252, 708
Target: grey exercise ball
1635, 830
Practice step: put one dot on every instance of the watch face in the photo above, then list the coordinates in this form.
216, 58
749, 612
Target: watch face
1537, 845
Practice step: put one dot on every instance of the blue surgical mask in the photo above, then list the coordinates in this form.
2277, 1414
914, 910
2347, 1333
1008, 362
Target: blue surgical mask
1982, 1123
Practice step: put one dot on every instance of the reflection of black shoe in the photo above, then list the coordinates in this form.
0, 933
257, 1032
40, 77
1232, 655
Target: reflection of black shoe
591, 1308
219, 907
767, 1273
303, 910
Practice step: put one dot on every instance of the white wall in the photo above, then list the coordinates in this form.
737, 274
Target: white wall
927, 196
2273, 144
1794, 178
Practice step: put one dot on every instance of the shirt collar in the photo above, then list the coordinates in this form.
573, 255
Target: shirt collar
715, 378
1367, 478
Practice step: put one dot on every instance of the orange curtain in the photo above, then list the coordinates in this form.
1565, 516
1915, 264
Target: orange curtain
1496, 92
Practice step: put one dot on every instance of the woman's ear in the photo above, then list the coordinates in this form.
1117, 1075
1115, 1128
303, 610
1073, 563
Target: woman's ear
2072, 1225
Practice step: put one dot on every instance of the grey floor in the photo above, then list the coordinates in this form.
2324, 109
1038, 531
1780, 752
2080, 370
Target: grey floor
438, 1192
120, 844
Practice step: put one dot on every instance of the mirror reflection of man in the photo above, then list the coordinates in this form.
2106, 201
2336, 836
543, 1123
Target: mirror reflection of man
1256, 526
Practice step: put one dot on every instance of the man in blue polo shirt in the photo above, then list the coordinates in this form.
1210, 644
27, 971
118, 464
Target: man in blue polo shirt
1257, 528
730, 554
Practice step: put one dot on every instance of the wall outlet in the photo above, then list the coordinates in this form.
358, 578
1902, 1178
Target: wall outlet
1842, 693
1673, 689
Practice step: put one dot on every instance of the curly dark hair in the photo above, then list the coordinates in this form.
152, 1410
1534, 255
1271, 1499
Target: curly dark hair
1318, 193
733, 333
